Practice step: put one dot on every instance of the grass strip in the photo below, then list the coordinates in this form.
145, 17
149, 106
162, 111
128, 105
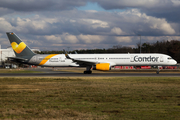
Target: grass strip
90, 98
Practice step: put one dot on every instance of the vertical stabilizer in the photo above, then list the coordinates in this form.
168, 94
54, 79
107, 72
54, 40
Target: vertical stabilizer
19, 47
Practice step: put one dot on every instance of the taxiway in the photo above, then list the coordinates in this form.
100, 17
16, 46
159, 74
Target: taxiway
69, 74
49, 72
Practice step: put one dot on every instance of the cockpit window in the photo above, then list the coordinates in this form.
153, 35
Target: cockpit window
169, 58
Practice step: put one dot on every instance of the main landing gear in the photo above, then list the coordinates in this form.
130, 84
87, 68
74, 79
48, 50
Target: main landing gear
88, 70
158, 70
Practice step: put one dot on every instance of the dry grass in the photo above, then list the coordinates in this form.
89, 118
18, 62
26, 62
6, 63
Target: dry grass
90, 98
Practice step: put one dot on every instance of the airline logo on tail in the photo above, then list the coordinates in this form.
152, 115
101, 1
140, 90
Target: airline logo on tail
18, 48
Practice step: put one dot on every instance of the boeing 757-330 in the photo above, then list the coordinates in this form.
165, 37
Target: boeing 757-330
102, 62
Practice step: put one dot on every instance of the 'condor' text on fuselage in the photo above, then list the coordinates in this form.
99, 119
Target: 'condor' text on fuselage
145, 59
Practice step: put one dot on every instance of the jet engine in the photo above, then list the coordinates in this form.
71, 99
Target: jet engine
102, 66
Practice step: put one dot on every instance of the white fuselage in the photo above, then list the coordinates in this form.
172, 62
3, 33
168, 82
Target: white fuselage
60, 60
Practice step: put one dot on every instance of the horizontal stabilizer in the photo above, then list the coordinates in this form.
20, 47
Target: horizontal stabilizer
17, 59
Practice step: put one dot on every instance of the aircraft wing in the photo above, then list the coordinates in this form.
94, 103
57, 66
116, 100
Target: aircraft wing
81, 62
84, 62
17, 59
87, 62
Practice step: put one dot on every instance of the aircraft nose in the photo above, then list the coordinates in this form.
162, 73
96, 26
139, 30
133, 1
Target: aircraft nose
174, 62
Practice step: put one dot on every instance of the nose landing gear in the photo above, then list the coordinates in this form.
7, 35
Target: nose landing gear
158, 70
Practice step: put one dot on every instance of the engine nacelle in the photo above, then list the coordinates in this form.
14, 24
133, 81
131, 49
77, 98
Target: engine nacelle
102, 66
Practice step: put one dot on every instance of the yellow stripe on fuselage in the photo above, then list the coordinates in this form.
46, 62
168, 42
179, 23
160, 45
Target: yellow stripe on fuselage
47, 58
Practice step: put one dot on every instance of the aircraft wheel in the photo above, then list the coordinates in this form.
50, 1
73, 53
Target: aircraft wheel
157, 72
87, 72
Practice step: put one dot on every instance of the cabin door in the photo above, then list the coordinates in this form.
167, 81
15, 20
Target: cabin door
132, 58
161, 59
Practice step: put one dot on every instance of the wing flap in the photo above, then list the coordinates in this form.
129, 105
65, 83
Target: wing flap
84, 62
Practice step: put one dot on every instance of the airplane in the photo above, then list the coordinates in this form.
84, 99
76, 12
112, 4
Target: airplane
102, 62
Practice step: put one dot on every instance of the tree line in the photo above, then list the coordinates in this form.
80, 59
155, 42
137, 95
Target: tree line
171, 48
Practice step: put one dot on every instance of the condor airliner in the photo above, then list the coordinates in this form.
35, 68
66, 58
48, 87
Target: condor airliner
102, 62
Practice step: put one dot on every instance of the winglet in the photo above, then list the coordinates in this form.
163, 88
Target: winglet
66, 54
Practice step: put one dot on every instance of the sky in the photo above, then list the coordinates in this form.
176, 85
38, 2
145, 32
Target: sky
89, 24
